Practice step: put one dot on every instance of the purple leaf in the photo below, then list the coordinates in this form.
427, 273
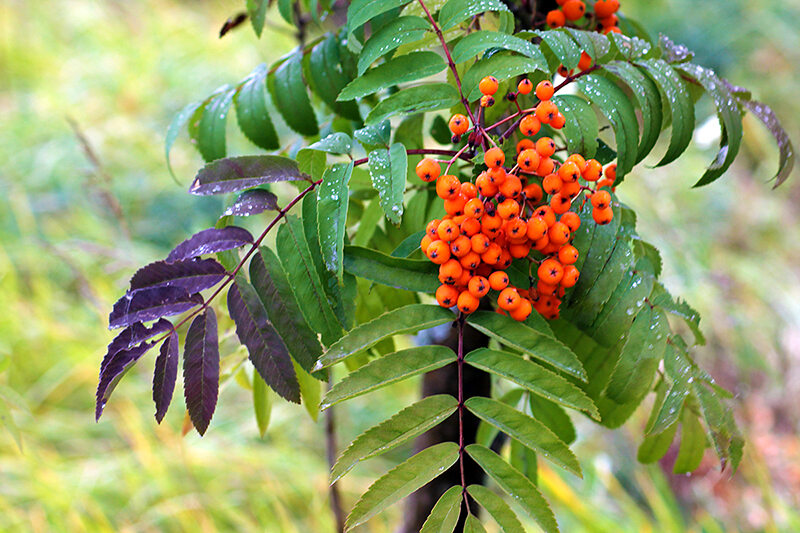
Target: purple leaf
150, 304
210, 241
239, 173
201, 369
785, 149
116, 367
267, 351
252, 203
133, 335
165, 375
194, 275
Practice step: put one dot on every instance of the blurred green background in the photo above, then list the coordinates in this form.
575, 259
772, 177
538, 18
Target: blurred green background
78, 216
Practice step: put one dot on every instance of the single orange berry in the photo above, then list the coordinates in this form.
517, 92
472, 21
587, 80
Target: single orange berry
546, 212
497, 175
431, 228
516, 230
518, 251
450, 271
546, 111
478, 286
544, 90
572, 220
546, 166
559, 233
537, 228
605, 8
533, 192
485, 185
525, 144
438, 252
461, 246
560, 202
511, 187
488, 85
471, 261
579, 161
570, 278
545, 146
487, 101
490, 225
611, 172
601, 200
480, 243
550, 271
585, 61
459, 124
571, 189
508, 209
605, 182
498, 280
455, 206
569, 172
603, 216
470, 226
555, 18
546, 289
469, 190
551, 184
609, 21
509, 299
494, 157
567, 254
530, 125
522, 312
574, 9
448, 231
447, 295
592, 170
528, 160
525, 86
447, 186
467, 303
558, 121
474, 208
425, 242
428, 170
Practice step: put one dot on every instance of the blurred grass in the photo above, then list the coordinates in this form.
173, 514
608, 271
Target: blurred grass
121, 69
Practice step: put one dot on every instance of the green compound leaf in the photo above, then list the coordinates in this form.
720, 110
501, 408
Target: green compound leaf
327, 75
402, 427
333, 197
400, 31
525, 429
497, 507
581, 127
444, 515
251, 110
211, 126
388, 169
502, 66
389, 369
476, 43
407, 274
288, 92
456, 11
401, 69
531, 376
516, 485
427, 97
407, 319
522, 337
402, 480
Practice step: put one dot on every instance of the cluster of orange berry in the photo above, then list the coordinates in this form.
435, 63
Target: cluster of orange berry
507, 214
605, 13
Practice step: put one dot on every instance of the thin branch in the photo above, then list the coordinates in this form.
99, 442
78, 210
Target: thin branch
330, 449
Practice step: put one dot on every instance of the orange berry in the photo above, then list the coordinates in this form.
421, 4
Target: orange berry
524, 86
544, 90
541, 244
461, 246
609, 21
471, 261
494, 157
546, 111
579, 161
530, 125
497, 175
467, 303
431, 228
447, 295
448, 231
504, 261
466, 275
603, 216
605, 182
459, 124
528, 160
559, 233
508, 209
546, 289
450, 271
612, 29
479, 243
469, 190
483, 270
438, 252
605, 8
474, 208
551, 183
537, 228
592, 170
601, 199
570, 278
574, 9
478, 286
470, 226
509, 299
569, 172
585, 61
455, 206
485, 185
572, 220
545, 146
550, 271
517, 229
490, 225
425, 242
498, 280
448, 186
487, 101
611, 172
519, 251
559, 202
571, 190
546, 166
546, 212
567, 254
556, 19
558, 121
525, 144
522, 312
533, 192
511, 187
488, 85
492, 255
428, 170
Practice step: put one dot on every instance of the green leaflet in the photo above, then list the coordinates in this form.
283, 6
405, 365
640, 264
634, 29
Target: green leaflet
473, 525
617, 108
327, 76
403, 426
562, 48
401, 273
497, 507
402, 480
367, 225
409, 245
629, 47
257, 9
288, 92
525, 429
310, 391
262, 403
539, 345
395, 71
210, 131
427, 97
333, 195
649, 100
400, 31
531, 376
251, 109
486, 433
305, 281
553, 416
455, 11
502, 66
387, 169
656, 446
389, 369
679, 103
727, 440
445, 513
581, 127
361, 11
693, 444
593, 43
670, 409
313, 160
683, 310
520, 488
374, 136
175, 128
523, 459
730, 119
478, 42
407, 319
275, 291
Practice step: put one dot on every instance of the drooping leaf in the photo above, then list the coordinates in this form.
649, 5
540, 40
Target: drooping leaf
132, 335
502, 66
786, 151
113, 370
407, 319
516, 485
401, 69
693, 444
194, 275
456, 11
531, 376
400, 31
361, 11
497, 508
211, 127
673, 52
310, 391
252, 202
629, 46
387, 169
718, 417
374, 136
581, 127
407, 274
201, 369
175, 128
473, 525
444, 515
268, 353
149, 304
595, 44
333, 197
522, 337
165, 375
562, 47
251, 107
326, 75
402, 427
655, 446
478, 42
273, 288
402, 480
553, 416
426, 97
244, 172
525, 429
289, 94
389, 369
262, 403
